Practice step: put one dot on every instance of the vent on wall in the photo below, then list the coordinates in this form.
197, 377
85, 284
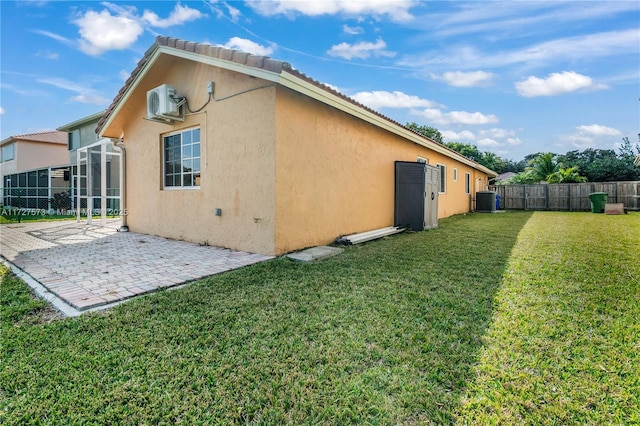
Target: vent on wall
163, 104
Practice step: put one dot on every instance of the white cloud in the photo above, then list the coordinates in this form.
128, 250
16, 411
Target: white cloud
85, 95
118, 27
396, 10
514, 141
585, 47
233, 12
592, 135
555, 84
124, 75
465, 79
352, 30
101, 31
487, 142
48, 55
497, 133
451, 135
56, 37
436, 116
598, 130
396, 99
1, 111
361, 50
248, 46
92, 99
179, 15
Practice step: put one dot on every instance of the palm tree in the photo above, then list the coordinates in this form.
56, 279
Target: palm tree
569, 175
544, 165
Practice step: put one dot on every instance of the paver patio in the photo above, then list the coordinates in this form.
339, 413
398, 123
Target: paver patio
89, 266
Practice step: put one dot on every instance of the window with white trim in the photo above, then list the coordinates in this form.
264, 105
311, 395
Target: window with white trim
443, 178
467, 183
422, 160
181, 159
8, 152
455, 175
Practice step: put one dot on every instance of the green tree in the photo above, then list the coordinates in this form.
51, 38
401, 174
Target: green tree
566, 175
544, 165
470, 151
604, 165
428, 131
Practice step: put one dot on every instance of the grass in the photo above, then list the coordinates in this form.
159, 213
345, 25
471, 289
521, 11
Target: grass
459, 324
564, 344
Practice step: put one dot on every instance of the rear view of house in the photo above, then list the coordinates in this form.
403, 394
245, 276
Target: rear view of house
245, 152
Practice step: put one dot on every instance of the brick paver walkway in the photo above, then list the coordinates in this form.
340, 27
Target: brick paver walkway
89, 266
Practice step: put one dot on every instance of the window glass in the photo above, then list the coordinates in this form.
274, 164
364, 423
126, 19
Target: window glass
8, 152
443, 178
182, 159
467, 183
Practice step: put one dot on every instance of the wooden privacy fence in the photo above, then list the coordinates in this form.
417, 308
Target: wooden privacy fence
566, 196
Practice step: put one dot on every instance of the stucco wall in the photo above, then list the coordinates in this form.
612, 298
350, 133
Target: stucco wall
35, 155
335, 174
237, 160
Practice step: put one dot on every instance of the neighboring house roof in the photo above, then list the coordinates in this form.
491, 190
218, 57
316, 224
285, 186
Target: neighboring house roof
55, 137
505, 176
81, 122
271, 70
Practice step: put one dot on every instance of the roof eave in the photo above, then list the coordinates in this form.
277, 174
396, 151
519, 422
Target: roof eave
80, 122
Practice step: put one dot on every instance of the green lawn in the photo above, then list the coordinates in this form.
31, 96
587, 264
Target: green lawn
491, 319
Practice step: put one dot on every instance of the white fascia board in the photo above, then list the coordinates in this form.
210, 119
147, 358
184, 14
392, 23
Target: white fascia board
82, 121
302, 86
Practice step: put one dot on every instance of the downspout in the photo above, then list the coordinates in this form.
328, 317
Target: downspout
123, 186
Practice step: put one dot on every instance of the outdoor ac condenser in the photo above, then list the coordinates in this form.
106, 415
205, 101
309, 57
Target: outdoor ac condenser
161, 102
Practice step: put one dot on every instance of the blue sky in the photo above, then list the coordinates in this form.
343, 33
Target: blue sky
513, 78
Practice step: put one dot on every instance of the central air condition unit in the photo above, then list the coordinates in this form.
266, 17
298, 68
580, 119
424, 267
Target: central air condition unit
161, 103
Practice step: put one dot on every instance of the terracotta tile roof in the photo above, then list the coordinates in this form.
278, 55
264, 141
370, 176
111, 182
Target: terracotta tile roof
263, 62
46, 137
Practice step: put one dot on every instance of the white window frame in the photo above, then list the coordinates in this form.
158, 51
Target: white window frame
467, 183
455, 174
422, 160
442, 187
198, 158
6, 149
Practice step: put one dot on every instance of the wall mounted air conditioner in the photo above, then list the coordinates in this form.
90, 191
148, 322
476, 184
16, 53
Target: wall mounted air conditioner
162, 103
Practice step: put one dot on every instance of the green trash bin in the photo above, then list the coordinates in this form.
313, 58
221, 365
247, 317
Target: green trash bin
598, 200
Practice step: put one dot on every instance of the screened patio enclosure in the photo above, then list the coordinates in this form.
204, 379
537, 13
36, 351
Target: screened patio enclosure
98, 179
43, 189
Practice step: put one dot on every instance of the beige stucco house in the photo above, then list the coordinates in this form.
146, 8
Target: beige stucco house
246, 152
35, 161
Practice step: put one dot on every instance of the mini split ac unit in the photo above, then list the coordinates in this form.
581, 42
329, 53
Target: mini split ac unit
161, 103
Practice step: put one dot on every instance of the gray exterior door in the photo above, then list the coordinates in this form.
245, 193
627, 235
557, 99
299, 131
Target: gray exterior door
409, 195
432, 186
